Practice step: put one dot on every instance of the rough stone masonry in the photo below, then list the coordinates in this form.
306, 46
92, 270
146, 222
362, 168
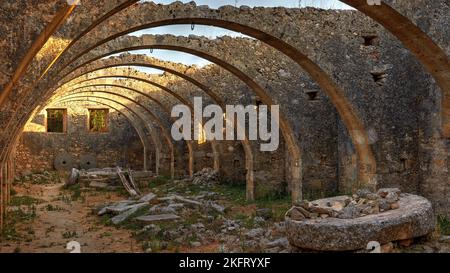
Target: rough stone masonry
381, 128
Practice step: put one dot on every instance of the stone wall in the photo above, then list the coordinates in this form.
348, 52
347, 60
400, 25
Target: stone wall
397, 102
120, 146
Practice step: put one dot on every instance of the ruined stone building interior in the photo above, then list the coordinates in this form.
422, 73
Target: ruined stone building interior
87, 153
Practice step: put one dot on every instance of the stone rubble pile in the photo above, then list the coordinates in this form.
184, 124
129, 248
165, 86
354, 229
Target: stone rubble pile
159, 209
361, 204
39, 178
206, 176
106, 178
99, 177
231, 234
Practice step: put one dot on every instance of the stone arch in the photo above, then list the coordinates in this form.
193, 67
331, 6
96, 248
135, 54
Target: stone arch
164, 108
296, 177
286, 129
150, 129
350, 118
432, 57
216, 162
43, 37
133, 123
359, 4
169, 91
166, 136
134, 90
418, 42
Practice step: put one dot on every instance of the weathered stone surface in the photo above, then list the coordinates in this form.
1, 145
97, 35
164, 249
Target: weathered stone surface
386, 191
411, 153
216, 207
127, 213
121, 143
73, 177
156, 218
413, 219
62, 162
117, 207
281, 242
147, 198
206, 176
265, 213
187, 201
255, 233
100, 185
298, 213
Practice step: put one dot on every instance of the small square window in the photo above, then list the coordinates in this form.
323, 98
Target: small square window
98, 120
56, 120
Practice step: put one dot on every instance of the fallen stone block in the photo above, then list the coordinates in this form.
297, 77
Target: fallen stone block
265, 213
255, 233
414, 218
160, 217
281, 242
220, 209
386, 191
73, 177
147, 198
189, 201
98, 185
125, 215
181, 199
118, 207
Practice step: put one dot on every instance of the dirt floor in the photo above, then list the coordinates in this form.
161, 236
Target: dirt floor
45, 216
59, 220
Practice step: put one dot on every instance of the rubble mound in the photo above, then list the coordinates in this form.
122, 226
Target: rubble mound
105, 178
206, 176
340, 229
361, 204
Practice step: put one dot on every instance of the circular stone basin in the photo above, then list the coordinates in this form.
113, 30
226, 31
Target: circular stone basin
413, 219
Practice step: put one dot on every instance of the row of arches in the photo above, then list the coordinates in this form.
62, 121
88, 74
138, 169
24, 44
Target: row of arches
101, 38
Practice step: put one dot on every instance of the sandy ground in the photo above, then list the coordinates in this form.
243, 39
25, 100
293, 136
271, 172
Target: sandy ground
60, 219
52, 230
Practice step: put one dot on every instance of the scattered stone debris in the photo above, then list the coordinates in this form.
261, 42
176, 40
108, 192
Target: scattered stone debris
167, 214
159, 217
126, 214
220, 209
361, 204
105, 175
117, 207
98, 185
73, 177
179, 215
265, 213
110, 179
412, 218
147, 198
126, 177
206, 176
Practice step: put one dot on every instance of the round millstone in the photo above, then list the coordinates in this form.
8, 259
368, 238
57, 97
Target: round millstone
63, 162
413, 219
88, 161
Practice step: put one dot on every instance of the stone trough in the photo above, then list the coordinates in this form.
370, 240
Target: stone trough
413, 219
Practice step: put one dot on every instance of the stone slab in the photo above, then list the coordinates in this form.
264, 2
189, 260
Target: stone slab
147, 198
160, 217
413, 219
125, 215
99, 185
